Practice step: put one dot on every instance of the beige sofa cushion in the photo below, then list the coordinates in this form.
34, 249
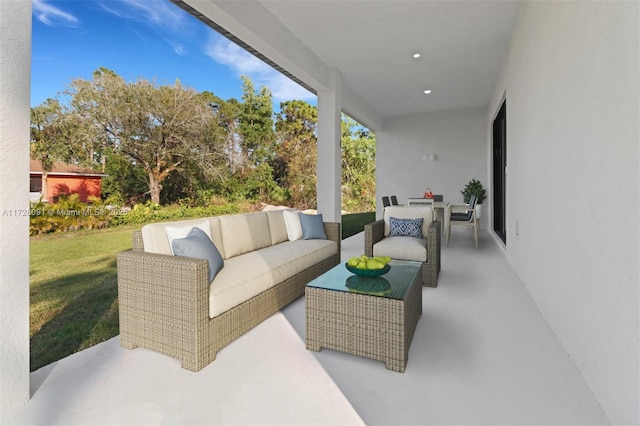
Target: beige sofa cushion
243, 233
292, 224
155, 240
404, 212
277, 226
248, 275
402, 248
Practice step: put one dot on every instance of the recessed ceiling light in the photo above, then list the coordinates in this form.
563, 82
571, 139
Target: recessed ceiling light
416, 55
426, 92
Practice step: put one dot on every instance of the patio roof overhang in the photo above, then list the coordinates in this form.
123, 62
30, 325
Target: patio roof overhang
370, 44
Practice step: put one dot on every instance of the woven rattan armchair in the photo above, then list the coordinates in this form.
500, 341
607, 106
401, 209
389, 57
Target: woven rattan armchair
374, 233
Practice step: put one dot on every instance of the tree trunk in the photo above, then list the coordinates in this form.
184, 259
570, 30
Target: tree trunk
43, 190
154, 188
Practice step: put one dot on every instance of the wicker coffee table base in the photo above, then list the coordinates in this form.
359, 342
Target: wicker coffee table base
374, 327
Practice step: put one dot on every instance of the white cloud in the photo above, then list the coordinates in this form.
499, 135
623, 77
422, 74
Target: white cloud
242, 62
157, 12
179, 48
162, 16
51, 15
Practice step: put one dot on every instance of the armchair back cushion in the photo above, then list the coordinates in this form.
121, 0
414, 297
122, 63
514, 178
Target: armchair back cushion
404, 212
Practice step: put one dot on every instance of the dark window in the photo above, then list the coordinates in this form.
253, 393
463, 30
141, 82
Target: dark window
35, 184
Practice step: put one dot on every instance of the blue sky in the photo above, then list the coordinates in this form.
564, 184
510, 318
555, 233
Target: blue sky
151, 39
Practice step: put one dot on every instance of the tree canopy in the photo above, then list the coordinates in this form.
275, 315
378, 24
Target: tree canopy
169, 143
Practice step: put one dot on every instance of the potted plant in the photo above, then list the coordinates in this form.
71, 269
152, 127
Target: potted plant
474, 187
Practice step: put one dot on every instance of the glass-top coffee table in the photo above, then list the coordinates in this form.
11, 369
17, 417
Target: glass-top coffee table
374, 317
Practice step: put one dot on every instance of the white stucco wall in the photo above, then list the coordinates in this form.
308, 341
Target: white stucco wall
15, 68
458, 140
571, 82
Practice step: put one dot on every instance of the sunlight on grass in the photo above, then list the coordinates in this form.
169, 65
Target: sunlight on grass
73, 291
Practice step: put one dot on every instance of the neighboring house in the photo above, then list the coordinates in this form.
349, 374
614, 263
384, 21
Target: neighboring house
61, 180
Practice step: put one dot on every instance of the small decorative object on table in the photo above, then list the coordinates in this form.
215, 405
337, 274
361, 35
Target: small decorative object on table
368, 266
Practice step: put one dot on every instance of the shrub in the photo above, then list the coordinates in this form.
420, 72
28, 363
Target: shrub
68, 214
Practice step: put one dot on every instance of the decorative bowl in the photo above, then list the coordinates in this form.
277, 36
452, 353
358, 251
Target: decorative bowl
368, 272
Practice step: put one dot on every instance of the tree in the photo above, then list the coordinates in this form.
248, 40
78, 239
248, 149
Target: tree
48, 135
158, 128
256, 123
358, 167
297, 152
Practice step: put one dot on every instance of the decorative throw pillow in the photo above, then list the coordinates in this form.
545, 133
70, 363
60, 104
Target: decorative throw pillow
199, 246
312, 226
405, 227
292, 223
174, 232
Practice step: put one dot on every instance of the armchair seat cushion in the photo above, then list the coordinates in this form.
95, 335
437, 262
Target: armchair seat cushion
402, 248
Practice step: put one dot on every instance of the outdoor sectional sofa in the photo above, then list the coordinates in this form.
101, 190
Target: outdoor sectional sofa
168, 304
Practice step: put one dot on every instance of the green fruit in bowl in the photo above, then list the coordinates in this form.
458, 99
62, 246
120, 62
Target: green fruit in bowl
374, 264
353, 261
382, 259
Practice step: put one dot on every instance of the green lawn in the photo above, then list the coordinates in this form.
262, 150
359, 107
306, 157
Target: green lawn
74, 289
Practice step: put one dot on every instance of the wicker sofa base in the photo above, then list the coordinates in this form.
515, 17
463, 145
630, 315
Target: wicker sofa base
196, 343
164, 303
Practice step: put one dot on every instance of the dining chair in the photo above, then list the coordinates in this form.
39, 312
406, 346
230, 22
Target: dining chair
385, 201
464, 215
394, 200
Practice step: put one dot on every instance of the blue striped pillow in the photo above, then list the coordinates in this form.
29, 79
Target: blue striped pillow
405, 227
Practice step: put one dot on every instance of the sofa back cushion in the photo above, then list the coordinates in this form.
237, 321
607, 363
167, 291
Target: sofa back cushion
404, 212
155, 240
277, 226
242, 233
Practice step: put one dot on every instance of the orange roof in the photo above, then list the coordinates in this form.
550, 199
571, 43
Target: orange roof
35, 167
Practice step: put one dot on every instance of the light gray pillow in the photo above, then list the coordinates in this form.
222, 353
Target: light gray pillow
198, 245
312, 227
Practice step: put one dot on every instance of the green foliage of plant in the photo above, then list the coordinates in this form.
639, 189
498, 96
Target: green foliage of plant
152, 212
68, 214
358, 167
166, 143
123, 180
474, 187
297, 153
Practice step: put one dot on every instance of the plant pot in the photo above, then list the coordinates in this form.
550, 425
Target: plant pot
478, 211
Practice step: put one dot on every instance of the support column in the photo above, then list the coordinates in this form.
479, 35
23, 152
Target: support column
15, 83
329, 156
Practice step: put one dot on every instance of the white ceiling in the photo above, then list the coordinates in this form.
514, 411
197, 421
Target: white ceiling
371, 43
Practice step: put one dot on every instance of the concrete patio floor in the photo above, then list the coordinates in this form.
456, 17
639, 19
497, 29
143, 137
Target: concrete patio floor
482, 354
